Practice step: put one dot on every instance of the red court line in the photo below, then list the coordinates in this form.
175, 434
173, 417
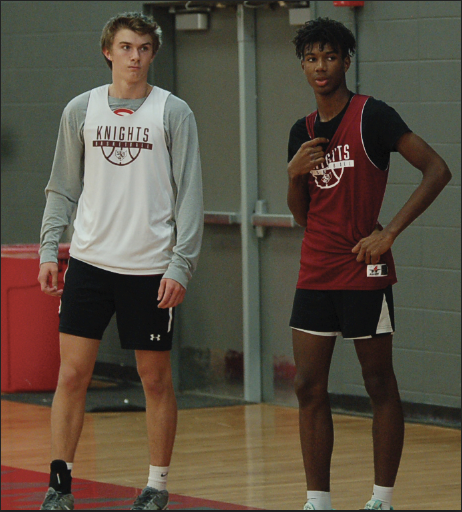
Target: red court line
24, 490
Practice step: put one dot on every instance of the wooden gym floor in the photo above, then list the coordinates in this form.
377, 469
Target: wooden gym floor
245, 455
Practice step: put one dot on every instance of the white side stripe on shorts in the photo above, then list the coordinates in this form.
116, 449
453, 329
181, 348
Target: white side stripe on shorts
384, 324
64, 279
170, 320
336, 333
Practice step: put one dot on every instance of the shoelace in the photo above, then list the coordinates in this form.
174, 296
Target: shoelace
145, 496
52, 499
141, 498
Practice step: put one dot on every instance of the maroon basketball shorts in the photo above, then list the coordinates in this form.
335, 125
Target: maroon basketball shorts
354, 314
92, 295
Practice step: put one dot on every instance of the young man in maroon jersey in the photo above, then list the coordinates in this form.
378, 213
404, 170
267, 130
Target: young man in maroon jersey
338, 167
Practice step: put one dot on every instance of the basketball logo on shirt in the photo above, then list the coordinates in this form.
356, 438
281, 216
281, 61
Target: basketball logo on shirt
336, 162
122, 145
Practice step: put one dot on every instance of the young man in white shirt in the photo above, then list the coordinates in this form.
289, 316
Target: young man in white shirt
127, 158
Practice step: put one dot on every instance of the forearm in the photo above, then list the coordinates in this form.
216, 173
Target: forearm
308, 157
190, 227
435, 177
56, 218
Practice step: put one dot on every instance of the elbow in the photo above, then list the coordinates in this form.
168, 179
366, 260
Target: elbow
300, 218
299, 210
438, 172
444, 174
301, 221
447, 175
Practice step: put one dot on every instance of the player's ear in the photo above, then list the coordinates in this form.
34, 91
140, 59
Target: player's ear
107, 54
346, 63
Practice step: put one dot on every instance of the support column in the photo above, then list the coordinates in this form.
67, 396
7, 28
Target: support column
249, 197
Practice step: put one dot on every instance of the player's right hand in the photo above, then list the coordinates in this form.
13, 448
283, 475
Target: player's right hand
48, 279
307, 158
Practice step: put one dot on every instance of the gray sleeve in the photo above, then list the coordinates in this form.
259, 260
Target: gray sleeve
65, 185
183, 145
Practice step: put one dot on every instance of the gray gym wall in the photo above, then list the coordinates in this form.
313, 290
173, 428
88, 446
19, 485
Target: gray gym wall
409, 56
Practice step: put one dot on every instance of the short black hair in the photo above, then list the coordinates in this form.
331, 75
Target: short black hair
324, 31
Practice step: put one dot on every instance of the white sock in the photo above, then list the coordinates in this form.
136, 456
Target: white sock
384, 494
70, 465
158, 477
320, 499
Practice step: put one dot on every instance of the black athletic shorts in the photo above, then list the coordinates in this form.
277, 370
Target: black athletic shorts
92, 295
351, 313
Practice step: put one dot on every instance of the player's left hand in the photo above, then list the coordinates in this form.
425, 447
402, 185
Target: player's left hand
370, 249
171, 293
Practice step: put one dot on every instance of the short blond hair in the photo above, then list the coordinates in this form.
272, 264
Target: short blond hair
136, 21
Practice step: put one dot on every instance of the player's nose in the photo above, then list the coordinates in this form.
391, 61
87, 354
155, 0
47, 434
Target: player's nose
320, 65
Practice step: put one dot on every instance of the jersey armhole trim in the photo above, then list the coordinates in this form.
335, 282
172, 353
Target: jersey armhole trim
364, 147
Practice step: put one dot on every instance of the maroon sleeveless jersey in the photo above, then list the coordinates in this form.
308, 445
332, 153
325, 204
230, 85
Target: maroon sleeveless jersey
346, 197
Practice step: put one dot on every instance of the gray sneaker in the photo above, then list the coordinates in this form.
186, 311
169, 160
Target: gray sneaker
151, 499
55, 500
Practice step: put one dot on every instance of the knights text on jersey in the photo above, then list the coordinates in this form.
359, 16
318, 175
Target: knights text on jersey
124, 219
346, 197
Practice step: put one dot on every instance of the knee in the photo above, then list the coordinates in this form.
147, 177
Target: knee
74, 379
380, 386
309, 391
155, 381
